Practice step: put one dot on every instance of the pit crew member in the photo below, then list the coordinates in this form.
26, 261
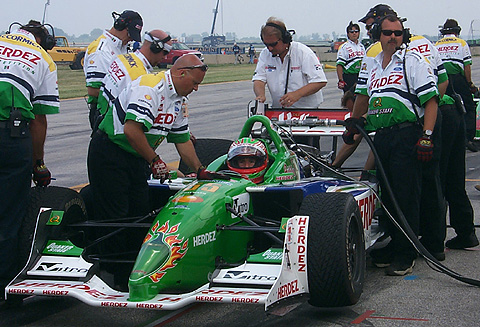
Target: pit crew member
349, 58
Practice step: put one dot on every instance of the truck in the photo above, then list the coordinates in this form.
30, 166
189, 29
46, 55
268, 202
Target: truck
63, 53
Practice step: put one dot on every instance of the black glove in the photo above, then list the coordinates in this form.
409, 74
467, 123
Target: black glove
41, 174
347, 137
350, 124
159, 169
204, 174
424, 148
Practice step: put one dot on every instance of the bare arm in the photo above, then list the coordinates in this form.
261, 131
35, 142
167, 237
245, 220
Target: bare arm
136, 137
340, 72
360, 107
291, 97
187, 152
430, 114
468, 73
259, 90
442, 88
91, 91
38, 130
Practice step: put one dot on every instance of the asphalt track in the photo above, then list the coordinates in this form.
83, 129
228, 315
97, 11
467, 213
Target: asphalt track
425, 298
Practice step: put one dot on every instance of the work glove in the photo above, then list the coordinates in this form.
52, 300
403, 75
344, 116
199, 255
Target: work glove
159, 169
204, 174
41, 174
341, 84
424, 148
351, 128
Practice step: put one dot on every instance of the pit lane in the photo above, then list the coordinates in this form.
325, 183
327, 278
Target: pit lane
426, 298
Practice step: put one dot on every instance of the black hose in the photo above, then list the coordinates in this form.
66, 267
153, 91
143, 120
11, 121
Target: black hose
407, 230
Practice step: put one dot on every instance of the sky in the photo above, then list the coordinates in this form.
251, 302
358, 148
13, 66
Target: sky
244, 17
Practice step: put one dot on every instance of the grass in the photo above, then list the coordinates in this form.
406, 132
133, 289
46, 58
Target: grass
71, 83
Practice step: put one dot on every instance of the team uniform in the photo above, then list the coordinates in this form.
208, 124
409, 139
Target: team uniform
28, 81
303, 67
100, 53
350, 56
391, 115
455, 54
122, 71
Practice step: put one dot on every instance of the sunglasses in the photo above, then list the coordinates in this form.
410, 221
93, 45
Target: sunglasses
203, 68
353, 31
390, 32
272, 45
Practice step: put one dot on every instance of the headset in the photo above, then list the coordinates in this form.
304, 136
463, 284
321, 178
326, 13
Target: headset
158, 45
286, 34
120, 23
47, 40
376, 29
450, 30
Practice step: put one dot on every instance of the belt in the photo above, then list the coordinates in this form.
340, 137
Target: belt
396, 127
6, 123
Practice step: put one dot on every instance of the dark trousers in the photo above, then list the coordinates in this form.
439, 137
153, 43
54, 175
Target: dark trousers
432, 205
396, 149
452, 171
119, 184
15, 181
351, 80
458, 83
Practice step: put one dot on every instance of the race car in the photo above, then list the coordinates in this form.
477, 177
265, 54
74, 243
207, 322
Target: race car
300, 234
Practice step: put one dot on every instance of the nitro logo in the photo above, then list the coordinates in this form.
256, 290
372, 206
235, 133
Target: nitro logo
246, 275
241, 204
59, 267
390, 80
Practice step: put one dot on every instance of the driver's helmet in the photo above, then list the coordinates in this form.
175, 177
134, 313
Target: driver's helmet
248, 157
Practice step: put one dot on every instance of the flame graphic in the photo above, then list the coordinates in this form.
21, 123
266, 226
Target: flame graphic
178, 247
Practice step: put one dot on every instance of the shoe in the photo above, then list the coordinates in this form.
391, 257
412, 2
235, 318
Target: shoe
477, 187
471, 146
462, 242
439, 255
400, 266
382, 257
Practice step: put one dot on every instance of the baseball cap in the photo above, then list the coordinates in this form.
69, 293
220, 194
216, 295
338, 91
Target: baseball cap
134, 23
379, 10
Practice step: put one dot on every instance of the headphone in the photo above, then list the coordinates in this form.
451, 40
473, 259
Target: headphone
376, 29
158, 45
450, 30
47, 40
120, 22
286, 34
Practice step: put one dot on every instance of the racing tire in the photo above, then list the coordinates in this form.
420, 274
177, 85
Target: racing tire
78, 63
88, 199
336, 259
207, 151
57, 198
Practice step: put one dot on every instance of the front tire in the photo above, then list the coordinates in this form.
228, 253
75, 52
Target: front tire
336, 249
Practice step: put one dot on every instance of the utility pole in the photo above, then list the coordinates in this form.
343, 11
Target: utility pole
45, 11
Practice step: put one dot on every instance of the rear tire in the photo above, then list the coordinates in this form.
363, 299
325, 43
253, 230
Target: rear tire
57, 198
336, 249
78, 63
207, 151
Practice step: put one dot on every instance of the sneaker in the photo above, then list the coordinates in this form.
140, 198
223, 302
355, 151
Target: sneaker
440, 256
400, 266
462, 242
382, 257
471, 146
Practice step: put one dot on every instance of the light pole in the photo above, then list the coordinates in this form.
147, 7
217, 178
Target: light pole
45, 11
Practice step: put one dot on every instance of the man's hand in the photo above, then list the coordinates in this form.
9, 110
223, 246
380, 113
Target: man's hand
41, 174
424, 148
351, 124
202, 173
473, 88
159, 169
289, 99
341, 84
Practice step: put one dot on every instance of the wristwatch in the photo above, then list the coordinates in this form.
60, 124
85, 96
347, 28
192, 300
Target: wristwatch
428, 133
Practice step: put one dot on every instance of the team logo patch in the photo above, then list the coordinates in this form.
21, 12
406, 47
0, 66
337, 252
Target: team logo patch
91, 62
148, 97
377, 102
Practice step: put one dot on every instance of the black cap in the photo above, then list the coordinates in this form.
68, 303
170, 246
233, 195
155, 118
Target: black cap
378, 11
134, 23
450, 27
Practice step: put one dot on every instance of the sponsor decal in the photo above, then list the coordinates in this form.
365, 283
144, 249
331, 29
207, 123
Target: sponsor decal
288, 177
367, 207
114, 304
448, 48
270, 68
148, 97
292, 116
116, 71
269, 256
232, 292
245, 300
247, 275
390, 80
209, 298
241, 204
61, 267
421, 48
131, 61
91, 62
188, 199
176, 245
148, 305
55, 218
203, 239
62, 248
166, 119
302, 244
288, 289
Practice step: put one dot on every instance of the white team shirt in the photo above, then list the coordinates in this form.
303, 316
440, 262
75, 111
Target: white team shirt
100, 53
350, 56
305, 68
455, 53
28, 68
153, 101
